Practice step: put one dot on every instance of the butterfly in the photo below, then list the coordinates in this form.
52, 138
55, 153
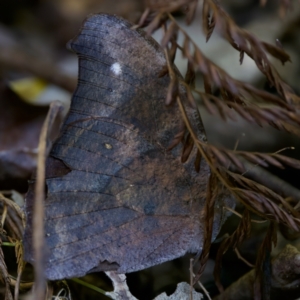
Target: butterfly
117, 197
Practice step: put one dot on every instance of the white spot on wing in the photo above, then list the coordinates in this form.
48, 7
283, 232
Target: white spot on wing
116, 68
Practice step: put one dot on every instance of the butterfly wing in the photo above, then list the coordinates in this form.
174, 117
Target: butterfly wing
116, 198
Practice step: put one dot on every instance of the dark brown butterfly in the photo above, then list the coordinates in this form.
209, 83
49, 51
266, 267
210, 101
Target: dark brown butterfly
117, 199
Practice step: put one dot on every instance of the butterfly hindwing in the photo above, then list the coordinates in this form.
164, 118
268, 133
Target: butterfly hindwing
125, 202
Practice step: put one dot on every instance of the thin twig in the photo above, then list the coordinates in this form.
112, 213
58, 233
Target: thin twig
38, 206
191, 278
4, 213
240, 216
17, 286
236, 250
204, 289
22, 285
90, 286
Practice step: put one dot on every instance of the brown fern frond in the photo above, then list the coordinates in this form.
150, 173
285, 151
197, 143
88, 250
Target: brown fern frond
190, 76
213, 187
270, 159
240, 39
249, 184
225, 158
19, 255
262, 283
255, 197
245, 42
236, 98
266, 208
190, 11
237, 237
157, 22
191, 99
291, 128
172, 91
197, 162
222, 157
208, 21
187, 148
170, 37
187, 7
179, 137
169, 34
166, 5
214, 75
145, 19
274, 116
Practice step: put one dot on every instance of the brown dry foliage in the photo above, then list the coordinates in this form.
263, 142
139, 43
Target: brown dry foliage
13, 221
236, 97
239, 235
